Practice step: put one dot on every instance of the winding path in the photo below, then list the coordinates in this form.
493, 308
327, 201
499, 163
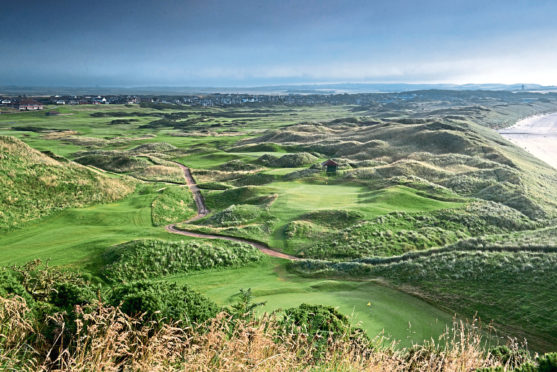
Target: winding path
202, 211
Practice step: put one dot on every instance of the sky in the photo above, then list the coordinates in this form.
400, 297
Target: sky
228, 43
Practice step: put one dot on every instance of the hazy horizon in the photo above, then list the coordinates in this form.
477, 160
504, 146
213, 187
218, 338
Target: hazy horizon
264, 43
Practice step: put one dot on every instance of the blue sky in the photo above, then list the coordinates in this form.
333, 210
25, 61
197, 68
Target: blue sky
250, 43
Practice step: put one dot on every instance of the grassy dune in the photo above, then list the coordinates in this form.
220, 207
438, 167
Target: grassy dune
35, 185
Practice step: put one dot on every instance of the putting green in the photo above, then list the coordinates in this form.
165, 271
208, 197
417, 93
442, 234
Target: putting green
399, 315
295, 198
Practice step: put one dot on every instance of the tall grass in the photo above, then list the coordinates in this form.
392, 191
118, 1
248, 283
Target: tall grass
173, 204
34, 185
106, 339
150, 258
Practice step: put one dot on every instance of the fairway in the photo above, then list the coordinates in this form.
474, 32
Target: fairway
78, 236
399, 315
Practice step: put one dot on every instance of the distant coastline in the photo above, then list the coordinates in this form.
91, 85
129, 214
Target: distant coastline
536, 134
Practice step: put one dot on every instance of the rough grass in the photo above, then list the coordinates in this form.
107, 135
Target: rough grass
174, 204
148, 258
399, 232
35, 185
107, 339
147, 162
457, 154
288, 161
240, 195
514, 288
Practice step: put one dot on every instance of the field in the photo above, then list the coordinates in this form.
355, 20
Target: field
407, 185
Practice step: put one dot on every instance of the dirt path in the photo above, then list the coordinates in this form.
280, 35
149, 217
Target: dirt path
202, 211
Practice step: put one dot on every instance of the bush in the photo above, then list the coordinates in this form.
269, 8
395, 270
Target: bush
509, 357
547, 362
320, 325
162, 301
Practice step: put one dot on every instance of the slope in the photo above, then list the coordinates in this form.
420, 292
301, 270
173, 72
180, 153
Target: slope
35, 185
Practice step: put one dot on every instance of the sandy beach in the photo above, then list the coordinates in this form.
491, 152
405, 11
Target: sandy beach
537, 135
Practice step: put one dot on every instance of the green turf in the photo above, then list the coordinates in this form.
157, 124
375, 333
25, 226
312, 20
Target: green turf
78, 237
296, 198
395, 166
401, 316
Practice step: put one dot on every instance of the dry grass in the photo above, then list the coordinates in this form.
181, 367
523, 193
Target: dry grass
108, 340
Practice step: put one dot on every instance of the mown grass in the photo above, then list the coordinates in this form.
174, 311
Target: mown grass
399, 315
270, 213
382, 172
78, 237
515, 289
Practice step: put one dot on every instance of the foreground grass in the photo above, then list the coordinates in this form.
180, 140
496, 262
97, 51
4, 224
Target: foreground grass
108, 339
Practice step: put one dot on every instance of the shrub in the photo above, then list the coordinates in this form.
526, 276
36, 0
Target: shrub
162, 301
320, 326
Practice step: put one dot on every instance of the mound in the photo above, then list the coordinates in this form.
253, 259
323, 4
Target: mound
460, 155
333, 218
156, 147
35, 185
142, 259
174, 204
236, 165
239, 215
398, 233
288, 161
145, 166
238, 195
114, 161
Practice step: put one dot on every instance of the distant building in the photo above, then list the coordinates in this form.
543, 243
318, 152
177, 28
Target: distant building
331, 166
28, 105
60, 102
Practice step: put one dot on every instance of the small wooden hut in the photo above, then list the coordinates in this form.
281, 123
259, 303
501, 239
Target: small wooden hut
331, 166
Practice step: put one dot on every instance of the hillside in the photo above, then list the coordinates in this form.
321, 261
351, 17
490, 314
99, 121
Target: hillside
447, 153
35, 185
